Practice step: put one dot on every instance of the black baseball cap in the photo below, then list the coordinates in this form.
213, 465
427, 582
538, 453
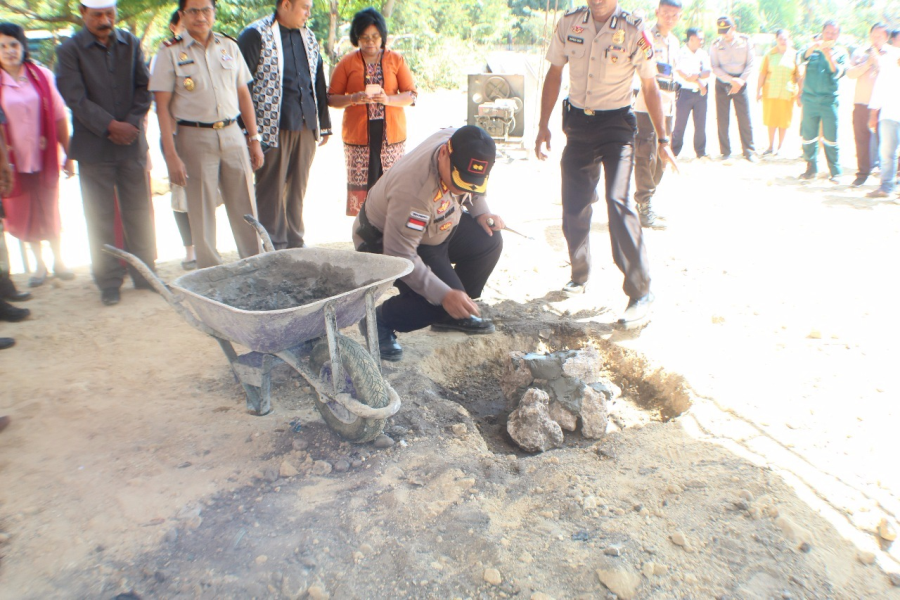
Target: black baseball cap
724, 24
472, 155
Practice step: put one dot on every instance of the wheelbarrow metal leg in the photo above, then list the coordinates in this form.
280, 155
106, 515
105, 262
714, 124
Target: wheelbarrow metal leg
263, 405
372, 329
337, 366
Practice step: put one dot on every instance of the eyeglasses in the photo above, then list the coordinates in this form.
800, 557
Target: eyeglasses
370, 38
196, 12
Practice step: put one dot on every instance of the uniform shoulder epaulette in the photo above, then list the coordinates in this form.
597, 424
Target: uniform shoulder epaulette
631, 19
172, 41
225, 35
575, 11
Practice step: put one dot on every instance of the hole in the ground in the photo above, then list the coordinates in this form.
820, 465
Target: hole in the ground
470, 374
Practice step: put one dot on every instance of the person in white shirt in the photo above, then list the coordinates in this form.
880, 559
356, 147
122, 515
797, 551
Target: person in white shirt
693, 75
884, 116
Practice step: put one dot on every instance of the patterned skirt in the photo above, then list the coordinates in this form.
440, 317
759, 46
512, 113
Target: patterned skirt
366, 164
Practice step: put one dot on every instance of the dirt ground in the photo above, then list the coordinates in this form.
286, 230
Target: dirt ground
132, 467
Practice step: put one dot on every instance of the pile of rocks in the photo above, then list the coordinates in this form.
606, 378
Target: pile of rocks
555, 392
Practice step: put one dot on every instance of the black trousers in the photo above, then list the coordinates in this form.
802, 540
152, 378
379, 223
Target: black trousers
184, 227
475, 254
690, 104
102, 184
607, 139
741, 109
648, 169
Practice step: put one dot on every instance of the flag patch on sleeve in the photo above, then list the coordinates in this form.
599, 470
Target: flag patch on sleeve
417, 221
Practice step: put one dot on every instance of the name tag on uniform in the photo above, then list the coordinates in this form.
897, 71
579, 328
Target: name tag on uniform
417, 221
575, 40
182, 63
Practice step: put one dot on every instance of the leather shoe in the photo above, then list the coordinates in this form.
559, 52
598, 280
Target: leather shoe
470, 325
809, 173
11, 313
6, 343
573, 289
8, 291
388, 346
110, 296
859, 181
637, 313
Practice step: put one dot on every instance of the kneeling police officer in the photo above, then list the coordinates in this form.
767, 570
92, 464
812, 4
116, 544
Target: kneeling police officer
430, 208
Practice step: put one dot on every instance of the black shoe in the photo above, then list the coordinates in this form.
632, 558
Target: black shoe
110, 297
388, 346
649, 218
637, 313
7, 343
809, 173
11, 313
573, 289
470, 325
859, 181
8, 291
751, 157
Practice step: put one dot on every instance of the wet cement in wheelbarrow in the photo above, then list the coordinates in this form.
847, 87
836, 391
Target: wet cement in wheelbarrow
279, 287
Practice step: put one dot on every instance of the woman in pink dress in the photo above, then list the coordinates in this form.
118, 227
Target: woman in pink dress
36, 127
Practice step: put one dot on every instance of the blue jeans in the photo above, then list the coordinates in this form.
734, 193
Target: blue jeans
889, 132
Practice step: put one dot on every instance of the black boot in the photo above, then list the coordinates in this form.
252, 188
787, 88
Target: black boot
387, 342
10, 313
8, 290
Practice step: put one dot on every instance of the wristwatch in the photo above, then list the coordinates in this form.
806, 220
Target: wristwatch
663, 140
258, 137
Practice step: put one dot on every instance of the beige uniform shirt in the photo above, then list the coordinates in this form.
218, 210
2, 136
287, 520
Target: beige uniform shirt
732, 60
665, 51
411, 206
204, 81
602, 57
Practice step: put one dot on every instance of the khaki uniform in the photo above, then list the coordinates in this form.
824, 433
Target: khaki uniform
727, 61
599, 124
205, 82
419, 219
648, 168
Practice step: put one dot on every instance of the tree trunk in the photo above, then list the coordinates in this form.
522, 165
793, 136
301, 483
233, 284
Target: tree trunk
389, 8
332, 27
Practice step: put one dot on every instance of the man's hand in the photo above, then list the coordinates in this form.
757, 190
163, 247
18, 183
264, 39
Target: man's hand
323, 140
69, 168
256, 155
7, 178
122, 134
459, 306
703, 89
736, 84
490, 223
543, 137
667, 156
177, 170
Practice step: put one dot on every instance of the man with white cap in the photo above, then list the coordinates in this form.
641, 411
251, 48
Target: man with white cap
103, 78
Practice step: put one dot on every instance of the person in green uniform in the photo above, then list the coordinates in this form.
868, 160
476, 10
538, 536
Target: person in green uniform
825, 63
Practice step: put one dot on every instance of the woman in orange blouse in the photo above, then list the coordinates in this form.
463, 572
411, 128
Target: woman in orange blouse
373, 84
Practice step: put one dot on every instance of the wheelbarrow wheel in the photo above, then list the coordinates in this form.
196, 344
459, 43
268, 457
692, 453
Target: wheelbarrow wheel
368, 385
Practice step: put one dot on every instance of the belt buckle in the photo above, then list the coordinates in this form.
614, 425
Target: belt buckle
218, 125
589, 112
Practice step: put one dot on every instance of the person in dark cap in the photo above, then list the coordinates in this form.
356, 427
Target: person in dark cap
430, 208
731, 58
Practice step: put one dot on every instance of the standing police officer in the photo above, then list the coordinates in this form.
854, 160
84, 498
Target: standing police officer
731, 58
648, 168
604, 47
200, 81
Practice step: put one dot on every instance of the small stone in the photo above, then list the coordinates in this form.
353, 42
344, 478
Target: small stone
383, 441
659, 569
530, 425
894, 578
805, 548
793, 532
287, 470
492, 576
746, 495
594, 416
886, 531
718, 319
566, 419
341, 466
679, 539
866, 558
526, 558
299, 445
540, 596
545, 334
647, 569
262, 559
317, 592
612, 551
270, 474
459, 429
691, 579
172, 536
358, 557
4, 537
516, 378
621, 582
356, 463
815, 334
321, 468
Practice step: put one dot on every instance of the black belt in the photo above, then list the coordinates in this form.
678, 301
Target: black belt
592, 113
216, 125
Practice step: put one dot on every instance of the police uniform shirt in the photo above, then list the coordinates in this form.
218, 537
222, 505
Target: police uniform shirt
732, 60
204, 81
602, 57
411, 206
665, 51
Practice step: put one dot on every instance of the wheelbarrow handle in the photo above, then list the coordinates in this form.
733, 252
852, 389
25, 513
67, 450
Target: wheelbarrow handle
268, 246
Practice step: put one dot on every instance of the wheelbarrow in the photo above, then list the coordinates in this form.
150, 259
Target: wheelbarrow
224, 302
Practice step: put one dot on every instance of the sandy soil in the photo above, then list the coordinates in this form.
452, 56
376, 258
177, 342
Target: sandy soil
132, 466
